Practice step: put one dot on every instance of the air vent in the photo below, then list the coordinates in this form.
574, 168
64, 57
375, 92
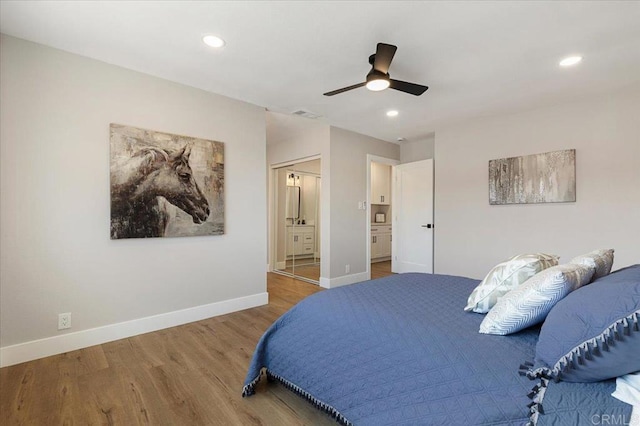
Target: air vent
307, 114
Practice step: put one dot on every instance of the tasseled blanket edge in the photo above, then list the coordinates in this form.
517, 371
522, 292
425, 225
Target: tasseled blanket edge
579, 355
335, 414
249, 389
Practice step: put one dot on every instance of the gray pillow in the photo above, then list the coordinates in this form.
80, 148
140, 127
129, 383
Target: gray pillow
601, 260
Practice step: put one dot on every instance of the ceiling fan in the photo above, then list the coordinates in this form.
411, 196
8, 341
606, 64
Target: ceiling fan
379, 79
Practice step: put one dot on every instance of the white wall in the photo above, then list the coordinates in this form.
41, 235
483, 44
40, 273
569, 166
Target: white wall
349, 238
291, 137
472, 236
418, 150
56, 254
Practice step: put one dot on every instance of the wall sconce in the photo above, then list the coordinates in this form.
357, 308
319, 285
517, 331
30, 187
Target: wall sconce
293, 179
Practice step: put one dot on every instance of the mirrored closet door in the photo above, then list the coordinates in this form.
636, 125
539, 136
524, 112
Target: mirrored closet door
297, 217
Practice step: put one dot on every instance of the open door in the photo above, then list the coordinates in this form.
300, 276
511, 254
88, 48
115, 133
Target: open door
413, 217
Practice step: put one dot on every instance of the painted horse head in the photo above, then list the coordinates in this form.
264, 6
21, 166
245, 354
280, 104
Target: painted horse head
169, 175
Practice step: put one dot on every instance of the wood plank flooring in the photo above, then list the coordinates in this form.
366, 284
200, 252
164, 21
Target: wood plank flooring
186, 375
380, 269
312, 271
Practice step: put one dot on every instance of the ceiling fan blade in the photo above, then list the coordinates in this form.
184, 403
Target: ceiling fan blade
412, 88
344, 89
384, 55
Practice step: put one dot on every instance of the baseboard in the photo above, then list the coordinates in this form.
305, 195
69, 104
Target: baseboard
324, 282
41, 348
281, 265
343, 280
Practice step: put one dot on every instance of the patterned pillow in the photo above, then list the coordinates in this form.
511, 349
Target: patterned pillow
593, 333
601, 260
530, 303
506, 276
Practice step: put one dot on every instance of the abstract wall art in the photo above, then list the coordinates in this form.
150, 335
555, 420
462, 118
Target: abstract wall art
540, 178
165, 185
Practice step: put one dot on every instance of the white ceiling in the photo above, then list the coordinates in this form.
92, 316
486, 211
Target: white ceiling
478, 58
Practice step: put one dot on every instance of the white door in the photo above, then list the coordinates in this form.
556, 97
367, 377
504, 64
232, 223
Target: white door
413, 217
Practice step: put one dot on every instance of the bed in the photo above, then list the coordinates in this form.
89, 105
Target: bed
400, 350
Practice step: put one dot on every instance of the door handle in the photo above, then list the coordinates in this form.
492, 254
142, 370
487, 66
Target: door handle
428, 225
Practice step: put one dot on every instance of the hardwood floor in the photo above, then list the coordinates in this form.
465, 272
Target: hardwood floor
312, 271
186, 375
380, 269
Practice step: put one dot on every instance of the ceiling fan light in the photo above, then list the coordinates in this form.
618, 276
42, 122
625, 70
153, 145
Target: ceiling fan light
378, 84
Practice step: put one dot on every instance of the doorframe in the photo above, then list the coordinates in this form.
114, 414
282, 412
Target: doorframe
272, 211
393, 163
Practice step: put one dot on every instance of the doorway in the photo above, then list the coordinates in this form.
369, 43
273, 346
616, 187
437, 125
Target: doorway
297, 188
379, 215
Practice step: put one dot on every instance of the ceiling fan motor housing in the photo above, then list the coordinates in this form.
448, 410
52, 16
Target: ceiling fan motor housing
377, 75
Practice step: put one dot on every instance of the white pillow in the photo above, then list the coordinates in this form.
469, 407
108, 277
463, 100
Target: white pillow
628, 389
601, 260
506, 276
530, 303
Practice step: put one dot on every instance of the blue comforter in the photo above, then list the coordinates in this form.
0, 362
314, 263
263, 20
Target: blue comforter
401, 350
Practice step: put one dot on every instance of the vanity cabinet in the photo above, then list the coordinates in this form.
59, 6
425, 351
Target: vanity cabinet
300, 240
380, 184
380, 242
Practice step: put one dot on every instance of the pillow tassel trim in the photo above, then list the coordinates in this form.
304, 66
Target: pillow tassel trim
536, 395
579, 355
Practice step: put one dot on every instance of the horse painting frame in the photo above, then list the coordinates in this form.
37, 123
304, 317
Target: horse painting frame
165, 185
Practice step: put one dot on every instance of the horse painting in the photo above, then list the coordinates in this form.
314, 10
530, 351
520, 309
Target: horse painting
147, 183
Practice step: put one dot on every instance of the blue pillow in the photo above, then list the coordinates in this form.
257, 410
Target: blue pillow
593, 334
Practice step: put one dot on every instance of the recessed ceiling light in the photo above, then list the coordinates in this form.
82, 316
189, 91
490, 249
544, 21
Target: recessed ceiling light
570, 61
392, 113
213, 41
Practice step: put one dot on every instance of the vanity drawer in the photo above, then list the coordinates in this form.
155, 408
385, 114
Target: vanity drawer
377, 229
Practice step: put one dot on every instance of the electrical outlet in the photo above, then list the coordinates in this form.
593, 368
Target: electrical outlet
64, 321
347, 269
